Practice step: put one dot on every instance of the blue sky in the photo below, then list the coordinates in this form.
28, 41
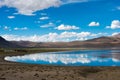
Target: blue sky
58, 20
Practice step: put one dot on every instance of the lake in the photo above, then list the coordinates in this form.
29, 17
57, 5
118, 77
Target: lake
71, 58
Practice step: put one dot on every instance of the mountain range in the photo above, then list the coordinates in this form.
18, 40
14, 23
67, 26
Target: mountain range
7, 44
101, 42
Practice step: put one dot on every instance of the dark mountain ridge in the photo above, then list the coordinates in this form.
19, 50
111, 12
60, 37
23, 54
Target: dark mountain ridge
6, 44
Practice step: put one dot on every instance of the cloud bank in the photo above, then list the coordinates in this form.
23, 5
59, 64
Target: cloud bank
53, 37
28, 7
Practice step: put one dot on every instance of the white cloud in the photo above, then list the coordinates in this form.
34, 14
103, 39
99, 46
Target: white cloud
28, 7
54, 58
24, 28
57, 57
11, 17
50, 24
94, 24
66, 58
44, 18
51, 37
66, 27
114, 25
74, 34
113, 34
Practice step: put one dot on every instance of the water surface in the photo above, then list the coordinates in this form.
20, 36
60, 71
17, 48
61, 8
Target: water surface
71, 58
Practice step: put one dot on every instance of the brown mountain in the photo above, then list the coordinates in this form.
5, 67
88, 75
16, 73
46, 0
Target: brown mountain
105, 39
101, 42
117, 36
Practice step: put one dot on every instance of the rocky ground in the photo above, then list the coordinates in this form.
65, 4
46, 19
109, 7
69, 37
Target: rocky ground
18, 71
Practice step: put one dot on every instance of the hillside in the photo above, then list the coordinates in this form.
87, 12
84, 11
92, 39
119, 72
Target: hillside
6, 44
101, 42
105, 39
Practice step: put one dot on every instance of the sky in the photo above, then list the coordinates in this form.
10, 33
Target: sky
58, 20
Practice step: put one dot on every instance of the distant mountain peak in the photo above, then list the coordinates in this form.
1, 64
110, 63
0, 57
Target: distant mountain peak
103, 41
6, 44
2, 39
117, 35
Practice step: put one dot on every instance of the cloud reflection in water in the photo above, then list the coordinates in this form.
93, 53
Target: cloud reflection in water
64, 58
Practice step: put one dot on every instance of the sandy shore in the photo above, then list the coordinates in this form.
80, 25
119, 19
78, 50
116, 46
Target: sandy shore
18, 71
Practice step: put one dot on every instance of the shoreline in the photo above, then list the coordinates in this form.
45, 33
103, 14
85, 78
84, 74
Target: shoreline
21, 71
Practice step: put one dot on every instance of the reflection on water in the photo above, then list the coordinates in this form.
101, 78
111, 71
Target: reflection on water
73, 58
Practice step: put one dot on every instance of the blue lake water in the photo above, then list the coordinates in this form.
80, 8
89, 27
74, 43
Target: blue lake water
71, 58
